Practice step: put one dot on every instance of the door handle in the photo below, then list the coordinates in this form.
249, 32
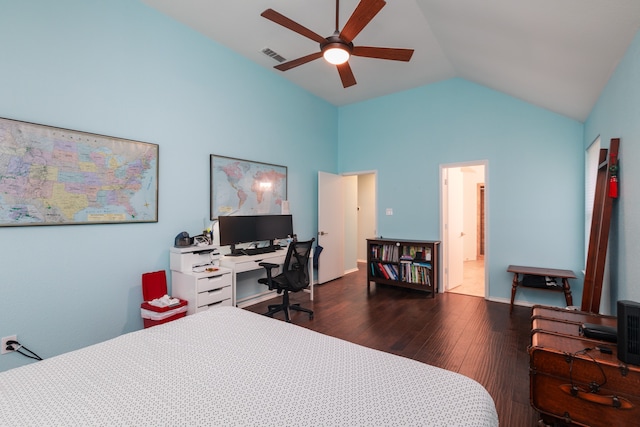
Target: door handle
322, 233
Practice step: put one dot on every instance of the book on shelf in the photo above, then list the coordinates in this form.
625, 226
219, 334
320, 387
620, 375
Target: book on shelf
391, 269
383, 271
423, 264
385, 252
416, 273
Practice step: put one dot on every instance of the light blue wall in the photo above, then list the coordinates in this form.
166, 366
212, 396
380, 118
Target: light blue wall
617, 115
122, 69
534, 179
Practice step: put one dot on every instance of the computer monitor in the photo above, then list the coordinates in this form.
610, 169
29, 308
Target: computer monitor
271, 227
237, 229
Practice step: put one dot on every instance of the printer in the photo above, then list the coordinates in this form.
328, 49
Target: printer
194, 259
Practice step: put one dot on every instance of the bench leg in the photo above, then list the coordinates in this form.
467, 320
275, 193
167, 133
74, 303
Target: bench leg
514, 286
567, 292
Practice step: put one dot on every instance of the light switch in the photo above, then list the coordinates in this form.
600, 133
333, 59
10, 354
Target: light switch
389, 211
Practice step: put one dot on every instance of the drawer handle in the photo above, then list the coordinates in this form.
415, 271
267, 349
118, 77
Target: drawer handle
613, 401
213, 291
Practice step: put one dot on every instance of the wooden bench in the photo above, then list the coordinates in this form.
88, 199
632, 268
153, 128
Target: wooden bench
565, 275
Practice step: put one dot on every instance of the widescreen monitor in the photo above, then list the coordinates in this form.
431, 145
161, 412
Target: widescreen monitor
237, 229
271, 227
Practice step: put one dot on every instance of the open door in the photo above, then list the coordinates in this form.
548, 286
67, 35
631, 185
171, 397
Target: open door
454, 256
330, 227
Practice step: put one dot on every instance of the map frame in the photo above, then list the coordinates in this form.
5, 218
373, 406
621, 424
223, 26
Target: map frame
104, 142
216, 160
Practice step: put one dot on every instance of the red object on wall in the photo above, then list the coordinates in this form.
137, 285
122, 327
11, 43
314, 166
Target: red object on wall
613, 174
613, 187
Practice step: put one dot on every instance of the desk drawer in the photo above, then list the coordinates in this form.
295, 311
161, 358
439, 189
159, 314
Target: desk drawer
214, 295
252, 264
213, 282
226, 302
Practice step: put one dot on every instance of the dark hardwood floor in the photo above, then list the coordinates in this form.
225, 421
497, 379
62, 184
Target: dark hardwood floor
465, 334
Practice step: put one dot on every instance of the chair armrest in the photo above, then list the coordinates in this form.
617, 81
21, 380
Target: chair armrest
269, 279
268, 265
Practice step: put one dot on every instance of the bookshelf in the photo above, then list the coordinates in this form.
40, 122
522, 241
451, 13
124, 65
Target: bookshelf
412, 264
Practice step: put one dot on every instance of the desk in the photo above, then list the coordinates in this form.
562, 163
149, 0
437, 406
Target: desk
565, 275
245, 272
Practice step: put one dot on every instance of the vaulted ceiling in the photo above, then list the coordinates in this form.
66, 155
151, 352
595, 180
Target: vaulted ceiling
556, 54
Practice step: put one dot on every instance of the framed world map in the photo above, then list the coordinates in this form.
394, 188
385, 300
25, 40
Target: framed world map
243, 187
54, 176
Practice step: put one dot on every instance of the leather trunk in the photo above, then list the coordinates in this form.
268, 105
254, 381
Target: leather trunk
572, 381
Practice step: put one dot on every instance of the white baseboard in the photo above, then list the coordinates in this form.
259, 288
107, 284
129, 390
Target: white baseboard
254, 299
501, 300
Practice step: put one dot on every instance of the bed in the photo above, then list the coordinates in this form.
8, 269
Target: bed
228, 366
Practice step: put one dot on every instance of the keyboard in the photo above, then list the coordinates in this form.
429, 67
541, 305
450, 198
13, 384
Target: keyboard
258, 251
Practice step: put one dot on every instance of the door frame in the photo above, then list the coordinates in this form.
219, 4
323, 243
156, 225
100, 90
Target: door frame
375, 210
443, 221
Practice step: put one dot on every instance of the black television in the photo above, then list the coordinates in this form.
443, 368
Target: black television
236, 229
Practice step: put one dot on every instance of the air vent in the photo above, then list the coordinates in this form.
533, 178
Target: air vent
270, 53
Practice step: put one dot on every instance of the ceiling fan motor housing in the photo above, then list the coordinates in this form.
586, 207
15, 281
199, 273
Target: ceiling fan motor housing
335, 41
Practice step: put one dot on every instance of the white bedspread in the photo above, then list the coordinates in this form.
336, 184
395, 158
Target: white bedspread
228, 366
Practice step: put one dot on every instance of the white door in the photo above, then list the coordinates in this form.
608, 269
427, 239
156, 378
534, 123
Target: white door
454, 222
330, 227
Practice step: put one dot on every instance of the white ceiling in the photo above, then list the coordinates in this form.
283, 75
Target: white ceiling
556, 54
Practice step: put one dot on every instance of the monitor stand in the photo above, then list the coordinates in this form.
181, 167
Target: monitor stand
235, 252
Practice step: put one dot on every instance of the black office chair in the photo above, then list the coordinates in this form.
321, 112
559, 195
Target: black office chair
294, 278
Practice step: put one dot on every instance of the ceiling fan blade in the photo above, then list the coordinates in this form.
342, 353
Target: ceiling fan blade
278, 18
294, 63
346, 75
364, 13
393, 54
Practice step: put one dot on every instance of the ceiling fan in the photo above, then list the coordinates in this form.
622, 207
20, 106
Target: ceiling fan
337, 48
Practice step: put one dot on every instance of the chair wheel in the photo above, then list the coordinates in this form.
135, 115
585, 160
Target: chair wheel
311, 317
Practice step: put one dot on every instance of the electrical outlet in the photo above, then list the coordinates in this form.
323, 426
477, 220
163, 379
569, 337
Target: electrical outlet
3, 349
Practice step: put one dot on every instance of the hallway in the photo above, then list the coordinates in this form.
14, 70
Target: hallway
473, 279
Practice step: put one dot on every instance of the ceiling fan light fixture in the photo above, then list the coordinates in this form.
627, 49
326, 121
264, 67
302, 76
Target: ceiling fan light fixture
335, 53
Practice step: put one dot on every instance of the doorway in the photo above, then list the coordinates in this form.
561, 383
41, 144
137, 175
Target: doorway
464, 228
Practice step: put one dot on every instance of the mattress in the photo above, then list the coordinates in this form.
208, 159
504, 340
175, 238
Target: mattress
228, 366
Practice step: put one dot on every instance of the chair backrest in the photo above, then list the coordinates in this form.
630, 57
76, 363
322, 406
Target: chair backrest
295, 267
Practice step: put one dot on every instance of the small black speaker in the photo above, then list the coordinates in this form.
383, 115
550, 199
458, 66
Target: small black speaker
629, 332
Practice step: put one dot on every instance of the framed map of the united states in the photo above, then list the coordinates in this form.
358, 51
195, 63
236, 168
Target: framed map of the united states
54, 176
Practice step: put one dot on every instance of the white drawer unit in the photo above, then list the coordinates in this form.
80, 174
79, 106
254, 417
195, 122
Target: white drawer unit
203, 290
